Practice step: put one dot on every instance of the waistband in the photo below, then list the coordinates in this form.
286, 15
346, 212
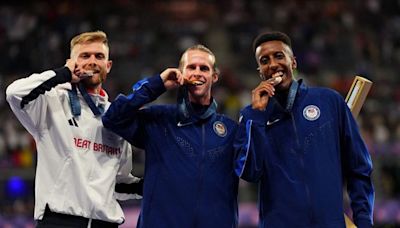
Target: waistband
78, 221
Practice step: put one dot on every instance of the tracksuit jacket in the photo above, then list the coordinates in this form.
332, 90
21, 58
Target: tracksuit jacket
79, 162
301, 156
189, 166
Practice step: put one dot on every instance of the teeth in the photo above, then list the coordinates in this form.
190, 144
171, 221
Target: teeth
277, 74
88, 73
195, 82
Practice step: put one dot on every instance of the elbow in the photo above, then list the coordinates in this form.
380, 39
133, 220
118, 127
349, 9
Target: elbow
110, 122
10, 92
12, 95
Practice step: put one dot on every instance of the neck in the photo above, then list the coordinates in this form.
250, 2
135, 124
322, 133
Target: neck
93, 90
205, 100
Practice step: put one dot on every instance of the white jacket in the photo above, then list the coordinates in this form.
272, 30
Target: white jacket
78, 160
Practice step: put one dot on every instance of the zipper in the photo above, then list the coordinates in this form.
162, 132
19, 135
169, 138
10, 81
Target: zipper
301, 155
201, 167
295, 131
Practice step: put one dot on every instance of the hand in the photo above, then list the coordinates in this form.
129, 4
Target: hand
172, 78
261, 94
72, 66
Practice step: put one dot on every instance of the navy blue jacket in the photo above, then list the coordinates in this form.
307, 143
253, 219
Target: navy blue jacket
189, 165
301, 156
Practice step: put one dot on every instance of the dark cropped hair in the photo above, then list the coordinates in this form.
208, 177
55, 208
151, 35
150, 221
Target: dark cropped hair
270, 36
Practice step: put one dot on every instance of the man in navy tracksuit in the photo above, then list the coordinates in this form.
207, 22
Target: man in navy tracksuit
301, 144
189, 168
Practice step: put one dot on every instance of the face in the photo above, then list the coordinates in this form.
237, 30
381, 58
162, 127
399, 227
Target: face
94, 57
275, 58
198, 66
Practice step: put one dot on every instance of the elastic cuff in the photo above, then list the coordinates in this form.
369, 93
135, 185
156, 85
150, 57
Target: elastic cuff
157, 84
64, 74
259, 117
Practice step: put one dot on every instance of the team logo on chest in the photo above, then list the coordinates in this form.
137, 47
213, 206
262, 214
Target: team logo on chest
219, 128
311, 112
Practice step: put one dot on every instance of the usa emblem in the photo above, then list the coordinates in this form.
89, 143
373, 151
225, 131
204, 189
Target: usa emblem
311, 112
219, 128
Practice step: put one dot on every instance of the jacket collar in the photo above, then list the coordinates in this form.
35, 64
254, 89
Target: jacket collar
95, 102
297, 88
186, 114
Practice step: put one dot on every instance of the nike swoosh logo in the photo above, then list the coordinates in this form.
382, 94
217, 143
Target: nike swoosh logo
183, 124
272, 122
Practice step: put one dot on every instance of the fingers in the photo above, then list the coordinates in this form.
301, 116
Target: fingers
170, 74
70, 64
73, 68
172, 78
261, 95
77, 72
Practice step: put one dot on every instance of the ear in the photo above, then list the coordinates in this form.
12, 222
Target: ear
215, 77
109, 65
294, 63
262, 77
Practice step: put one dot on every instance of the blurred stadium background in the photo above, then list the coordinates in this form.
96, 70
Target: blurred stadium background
334, 40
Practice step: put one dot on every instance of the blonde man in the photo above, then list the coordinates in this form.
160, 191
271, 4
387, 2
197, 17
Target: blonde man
78, 161
190, 180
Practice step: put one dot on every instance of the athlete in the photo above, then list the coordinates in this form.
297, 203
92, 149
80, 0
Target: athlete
189, 174
79, 162
301, 144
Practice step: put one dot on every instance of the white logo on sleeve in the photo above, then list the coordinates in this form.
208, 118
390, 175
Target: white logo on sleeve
311, 112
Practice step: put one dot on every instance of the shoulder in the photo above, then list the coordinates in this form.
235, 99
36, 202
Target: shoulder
326, 98
325, 93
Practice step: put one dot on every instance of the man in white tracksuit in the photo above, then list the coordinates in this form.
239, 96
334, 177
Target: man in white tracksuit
79, 162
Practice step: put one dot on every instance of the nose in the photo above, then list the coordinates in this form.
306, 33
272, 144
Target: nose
273, 64
92, 60
198, 70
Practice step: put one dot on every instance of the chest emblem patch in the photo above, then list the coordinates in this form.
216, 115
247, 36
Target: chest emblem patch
219, 128
311, 112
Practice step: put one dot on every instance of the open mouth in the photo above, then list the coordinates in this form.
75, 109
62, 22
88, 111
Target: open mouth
194, 82
277, 74
276, 78
89, 73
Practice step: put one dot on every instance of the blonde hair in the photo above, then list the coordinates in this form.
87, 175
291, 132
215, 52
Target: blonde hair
202, 48
89, 37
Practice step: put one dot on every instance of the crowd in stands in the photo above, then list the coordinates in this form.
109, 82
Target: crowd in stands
334, 40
